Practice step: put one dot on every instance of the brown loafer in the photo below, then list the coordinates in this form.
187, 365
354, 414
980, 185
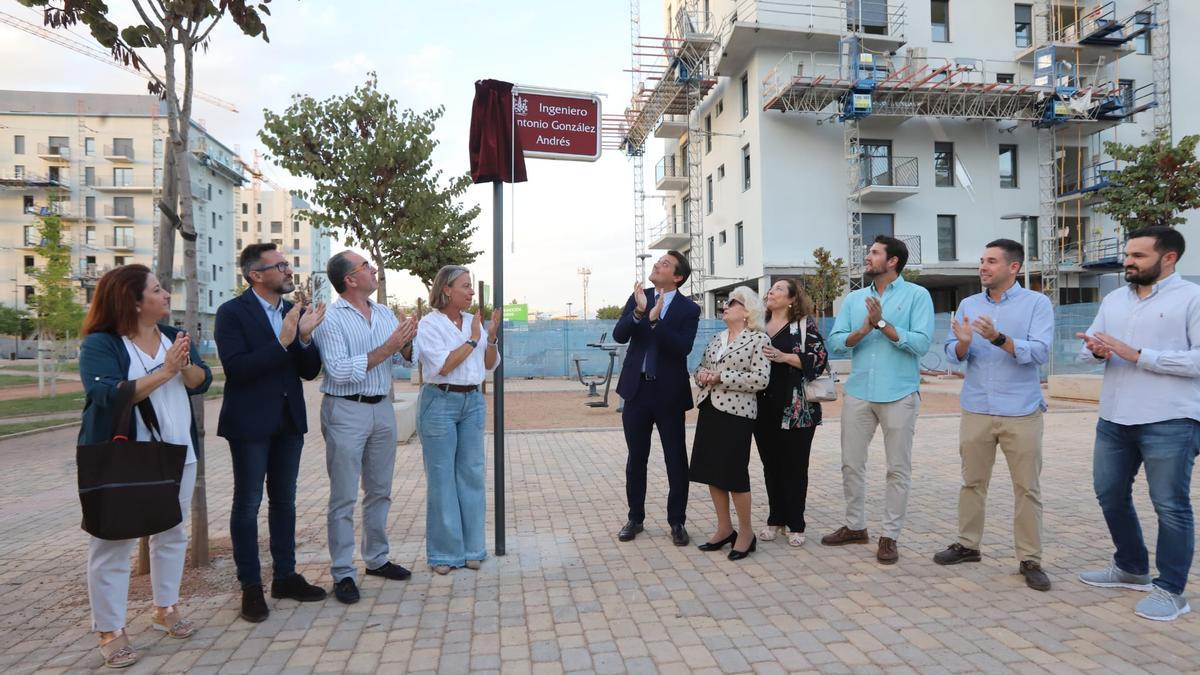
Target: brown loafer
844, 535
1035, 578
887, 553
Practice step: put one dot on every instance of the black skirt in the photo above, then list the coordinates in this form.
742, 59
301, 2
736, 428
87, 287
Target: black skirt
721, 449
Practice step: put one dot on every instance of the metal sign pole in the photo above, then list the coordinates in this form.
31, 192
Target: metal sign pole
498, 375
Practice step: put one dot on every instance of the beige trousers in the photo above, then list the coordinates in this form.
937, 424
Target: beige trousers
898, 419
1021, 440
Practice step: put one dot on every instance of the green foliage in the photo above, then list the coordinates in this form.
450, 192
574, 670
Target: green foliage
1158, 182
911, 275
826, 283
55, 310
15, 321
609, 313
374, 179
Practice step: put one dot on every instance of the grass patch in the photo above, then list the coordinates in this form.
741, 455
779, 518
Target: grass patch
17, 427
35, 405
31, 366
214, 392
17, 380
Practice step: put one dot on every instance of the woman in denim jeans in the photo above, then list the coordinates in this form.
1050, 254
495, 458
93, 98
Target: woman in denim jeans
451, 414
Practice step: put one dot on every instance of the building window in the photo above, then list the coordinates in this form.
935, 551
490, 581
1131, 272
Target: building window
276, 227
721, 237
123, 236
214, 215
158, 148
31, 236
295, 226
707, 134
296, 244
245, 226
687, 214
745, 95
209, 244
89, 208
19, 171
258, 208
745, 167
721, 172
245, 208
18, 145
89, 234
939, 16
122, 147
720, 106
712, 255
1127, 88
1004, 78
684, 167
1008, 166
739, 234
1142, 43
708, 194
296, 262
122, 207
28, 295
278, 242
943, 164
29, 263
210, 296
122, 177
158, 175
1023, 26
118, 260
947, 239
89, 146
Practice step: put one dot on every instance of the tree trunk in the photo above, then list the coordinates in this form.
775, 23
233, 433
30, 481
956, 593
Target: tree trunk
381, 277
166, 230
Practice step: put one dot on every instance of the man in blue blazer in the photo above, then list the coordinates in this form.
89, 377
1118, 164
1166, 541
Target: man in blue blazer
265, 344
660, 325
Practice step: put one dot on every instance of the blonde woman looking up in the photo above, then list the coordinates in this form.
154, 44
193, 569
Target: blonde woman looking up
733, 369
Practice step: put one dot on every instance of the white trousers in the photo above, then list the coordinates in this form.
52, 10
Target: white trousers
109, 563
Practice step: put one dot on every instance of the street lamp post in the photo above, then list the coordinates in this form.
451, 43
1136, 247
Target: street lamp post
569, 310
1024, 237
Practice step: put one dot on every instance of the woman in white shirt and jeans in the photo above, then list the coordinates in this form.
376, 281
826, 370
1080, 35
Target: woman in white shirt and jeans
454, 362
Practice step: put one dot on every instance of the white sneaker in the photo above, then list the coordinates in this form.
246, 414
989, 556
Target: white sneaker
1115, 577
1162, 605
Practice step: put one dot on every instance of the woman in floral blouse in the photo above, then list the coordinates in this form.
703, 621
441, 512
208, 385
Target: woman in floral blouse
786, 420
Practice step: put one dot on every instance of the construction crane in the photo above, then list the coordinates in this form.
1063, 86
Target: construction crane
80, 47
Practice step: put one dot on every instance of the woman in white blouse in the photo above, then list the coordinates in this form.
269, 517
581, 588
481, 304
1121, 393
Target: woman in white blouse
450, 420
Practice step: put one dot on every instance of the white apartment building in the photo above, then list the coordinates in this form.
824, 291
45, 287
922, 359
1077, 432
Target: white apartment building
777, 177
277, 216
96, 160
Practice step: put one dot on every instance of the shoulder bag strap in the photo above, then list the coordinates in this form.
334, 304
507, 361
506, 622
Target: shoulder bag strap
149, 418
123, 413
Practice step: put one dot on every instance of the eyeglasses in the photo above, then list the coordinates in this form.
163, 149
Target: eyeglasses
281, 266
733, 301
358, 268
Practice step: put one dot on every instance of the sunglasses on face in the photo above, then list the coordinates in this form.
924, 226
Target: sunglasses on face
732, 302
281, 266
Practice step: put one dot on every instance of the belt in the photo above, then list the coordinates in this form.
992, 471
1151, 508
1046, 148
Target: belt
457, 388
362, 398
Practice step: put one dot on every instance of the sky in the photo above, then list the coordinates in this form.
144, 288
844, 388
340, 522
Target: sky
569, 215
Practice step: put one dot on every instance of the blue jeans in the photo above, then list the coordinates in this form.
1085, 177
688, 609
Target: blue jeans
451, 428
1168, 449
277, 460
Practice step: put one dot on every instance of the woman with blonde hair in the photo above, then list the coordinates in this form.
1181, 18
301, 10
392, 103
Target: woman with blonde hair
734, 367
787, 420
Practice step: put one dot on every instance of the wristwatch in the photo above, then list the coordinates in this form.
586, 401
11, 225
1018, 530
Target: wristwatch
473, 343
999, 340
881, 324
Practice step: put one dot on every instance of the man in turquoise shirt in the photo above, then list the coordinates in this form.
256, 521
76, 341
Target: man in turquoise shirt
887, 327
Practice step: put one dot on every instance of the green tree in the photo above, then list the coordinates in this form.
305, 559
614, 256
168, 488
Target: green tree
609, 313
56, 312
14, 321
826, 283
1159, 182
374, 180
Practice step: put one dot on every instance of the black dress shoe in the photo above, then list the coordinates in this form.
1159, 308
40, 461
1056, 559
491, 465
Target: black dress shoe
718, 545
630, 531
296, 587
735, 554
254, 605
679, 535
390, 570
345, 591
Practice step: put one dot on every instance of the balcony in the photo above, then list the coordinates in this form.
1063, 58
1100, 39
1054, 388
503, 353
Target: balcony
202, 192
122, 154
89, 273
125, 185
670, 174
888, 180
118, 214
217, 158
25, 181
203, 275
1100, 36
62, 209
669, 234
912, 241
120, 242
807, 25
1104, 253
671, 127
55, 154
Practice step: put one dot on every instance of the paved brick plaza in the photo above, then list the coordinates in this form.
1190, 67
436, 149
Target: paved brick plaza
568, 597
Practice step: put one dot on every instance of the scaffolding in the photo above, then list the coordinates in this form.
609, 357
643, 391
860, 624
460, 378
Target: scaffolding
672, 75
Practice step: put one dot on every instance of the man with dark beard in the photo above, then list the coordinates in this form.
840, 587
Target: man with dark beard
265, 345
1148, 336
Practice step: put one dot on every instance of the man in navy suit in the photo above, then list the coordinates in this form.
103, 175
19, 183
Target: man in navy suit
656, 388
265, 344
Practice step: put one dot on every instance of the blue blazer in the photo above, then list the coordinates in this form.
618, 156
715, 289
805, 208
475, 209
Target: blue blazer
104, 364
669, 342
262, 379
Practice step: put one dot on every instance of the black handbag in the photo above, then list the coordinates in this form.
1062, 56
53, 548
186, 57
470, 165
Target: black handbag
130, 488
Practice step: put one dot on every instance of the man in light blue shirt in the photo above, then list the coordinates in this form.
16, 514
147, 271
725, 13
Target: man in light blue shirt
887, 327
1001, 336
1147, 334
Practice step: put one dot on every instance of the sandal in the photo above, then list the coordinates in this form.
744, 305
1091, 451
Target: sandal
442, 569
174, 625
769, 532
795, 538
118, 653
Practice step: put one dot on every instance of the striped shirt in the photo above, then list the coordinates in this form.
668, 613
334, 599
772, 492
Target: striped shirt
345, 338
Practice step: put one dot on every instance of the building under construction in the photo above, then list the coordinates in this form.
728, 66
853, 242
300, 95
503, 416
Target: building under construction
788, 125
